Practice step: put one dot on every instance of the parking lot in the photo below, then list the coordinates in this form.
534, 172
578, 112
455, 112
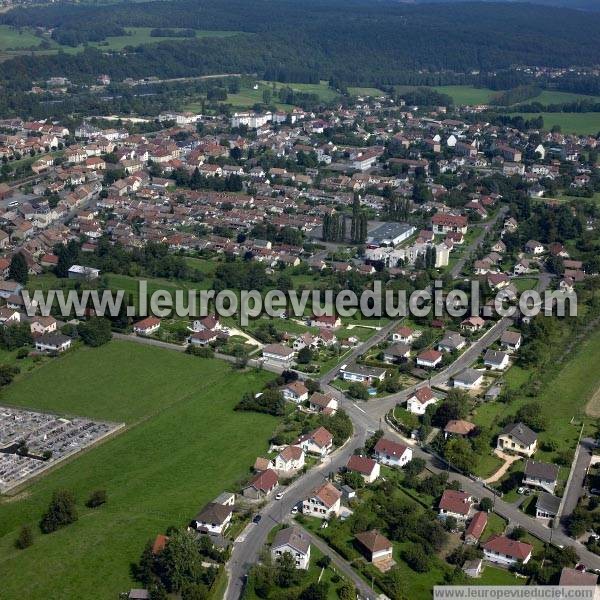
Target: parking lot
31, 442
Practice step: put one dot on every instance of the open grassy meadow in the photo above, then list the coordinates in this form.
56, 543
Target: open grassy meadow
183, 445
577, 123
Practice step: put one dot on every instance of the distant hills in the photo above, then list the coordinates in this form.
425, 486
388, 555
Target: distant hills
593, 5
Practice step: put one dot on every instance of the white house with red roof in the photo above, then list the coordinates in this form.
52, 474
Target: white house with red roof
147, 326
457, 504
504, 551
429, 359
420, 399
261, 485
290, 459
323, 502
391, 453
295, 391
366, 467
319, 441
326, 321
403, 334
324, 403
210, 323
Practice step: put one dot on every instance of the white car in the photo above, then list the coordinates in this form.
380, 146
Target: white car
279, 496
295, 510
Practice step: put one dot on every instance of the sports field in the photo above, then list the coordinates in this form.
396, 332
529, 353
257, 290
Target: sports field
184, 445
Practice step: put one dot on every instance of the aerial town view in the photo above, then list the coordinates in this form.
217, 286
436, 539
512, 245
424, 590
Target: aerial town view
299, 299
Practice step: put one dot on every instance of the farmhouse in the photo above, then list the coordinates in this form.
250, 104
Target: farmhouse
294, 541
391, 453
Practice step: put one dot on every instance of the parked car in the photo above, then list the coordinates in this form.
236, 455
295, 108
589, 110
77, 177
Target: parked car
295, 510
256, 518
279, 496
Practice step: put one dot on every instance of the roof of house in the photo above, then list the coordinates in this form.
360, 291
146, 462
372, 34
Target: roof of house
293, 537
321, 400
548, 503
327, 493
404, 332
570, 576
477, 524
430, 355
512, 548
494, 357
264, 481
459, 427
468, 376
147, 323
277, 349
363, 370
262, 464
389, 447
291, 453
397, 350
456, 502
510, 337
214, 513
423, 394
361, 464
159, 543
373, 541
541, 470
521, 433
297, 387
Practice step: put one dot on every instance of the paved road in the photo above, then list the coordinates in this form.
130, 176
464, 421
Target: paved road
457, 268
342, 565
246, 553
577, 475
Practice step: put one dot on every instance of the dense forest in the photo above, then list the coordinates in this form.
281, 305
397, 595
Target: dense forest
332, 39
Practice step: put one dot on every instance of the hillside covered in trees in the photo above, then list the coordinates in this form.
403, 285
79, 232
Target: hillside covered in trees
351, 41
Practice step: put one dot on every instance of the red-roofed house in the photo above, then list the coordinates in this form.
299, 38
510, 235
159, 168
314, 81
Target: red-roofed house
455, 504
418, 402
429, 359
326, 321
147, 326
391, 453
323, 502
261, 485
291, 458
366, 467
476, 527
319, 441
507, 552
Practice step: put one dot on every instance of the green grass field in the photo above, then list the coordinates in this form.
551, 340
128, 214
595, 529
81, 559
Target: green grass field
577, 123
466, 94
11, 38
554, 97
366, 91
183, 446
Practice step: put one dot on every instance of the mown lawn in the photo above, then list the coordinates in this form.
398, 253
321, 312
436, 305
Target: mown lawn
496, 576
578, 123
183, 446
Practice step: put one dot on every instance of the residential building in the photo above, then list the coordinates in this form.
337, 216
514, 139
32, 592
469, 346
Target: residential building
147, 326
290, 459
377, 547
454, 503
540, 475
546, 506
476, 527
278, 354
506, 552
392, 454
294, 541
52, 342
420, 399
261, 485
213, 519
295, 391
364, 466
323, 502
518, 438
319, 442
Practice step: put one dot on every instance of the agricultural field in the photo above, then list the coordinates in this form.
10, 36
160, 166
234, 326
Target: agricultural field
466, 94
13, 39
577, 123
167, 446
365, 91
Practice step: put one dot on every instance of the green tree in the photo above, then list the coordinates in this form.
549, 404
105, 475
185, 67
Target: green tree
25, 538
305, 356
95, 331
18, 270
61, 511
97, 498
